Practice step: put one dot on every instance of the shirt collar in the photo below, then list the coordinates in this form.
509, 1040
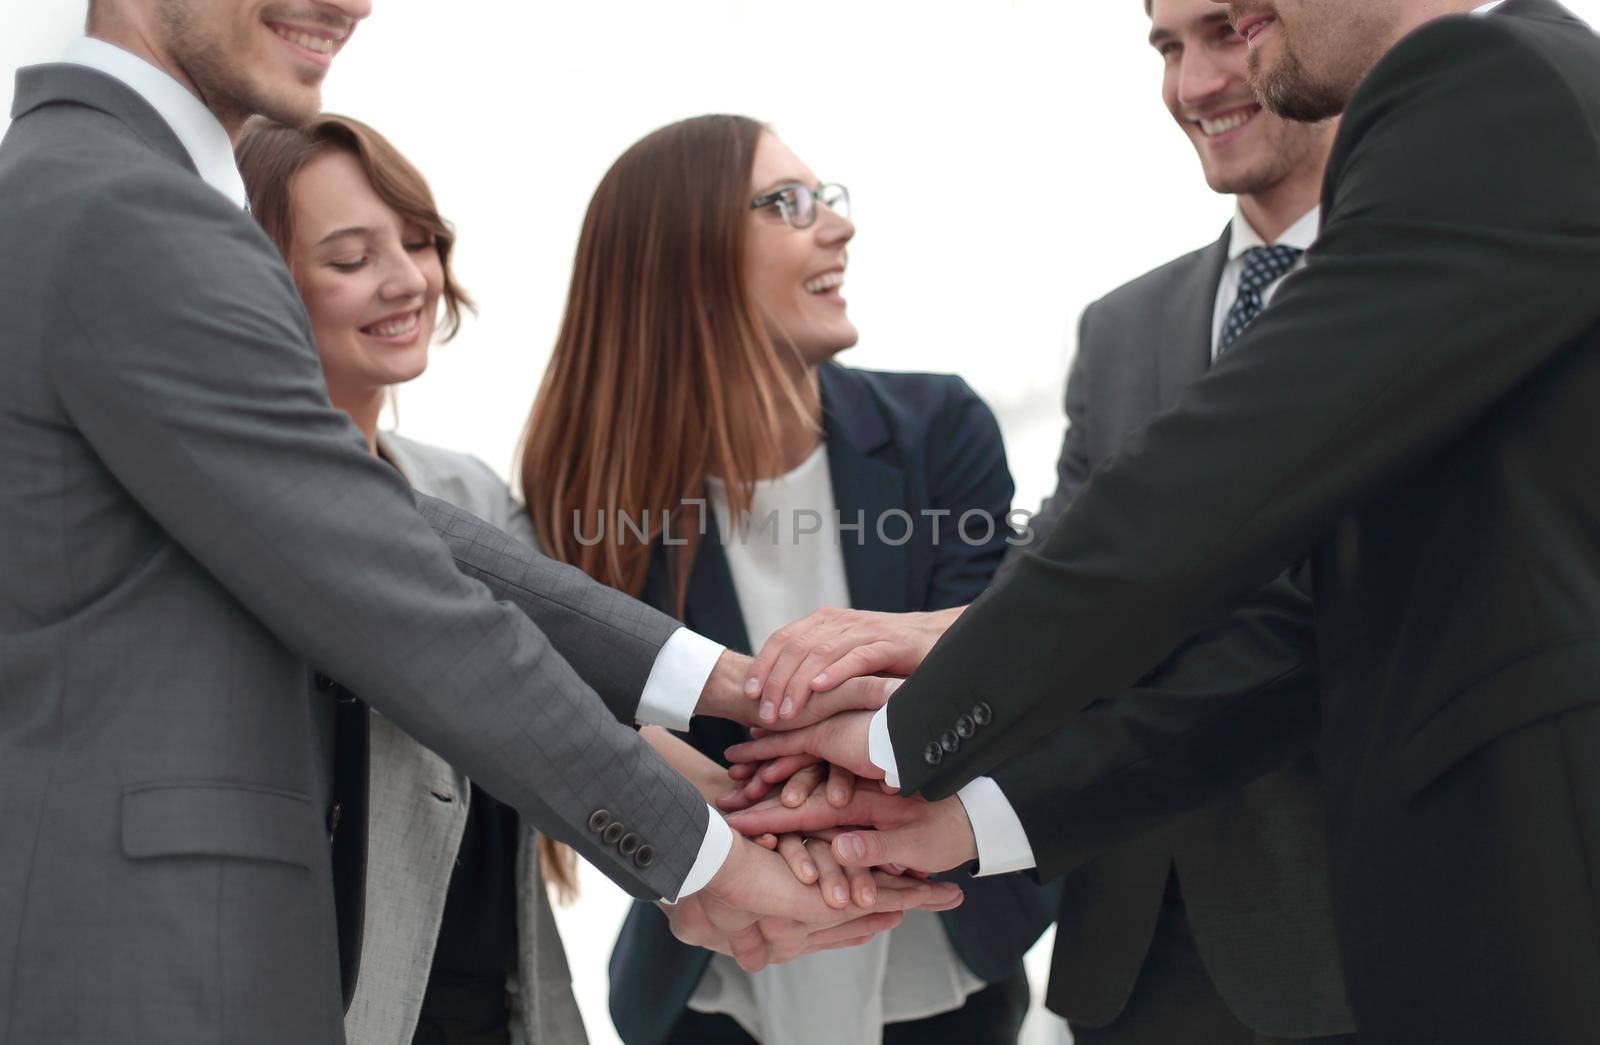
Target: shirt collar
1300, 235
200, 132
1487, 8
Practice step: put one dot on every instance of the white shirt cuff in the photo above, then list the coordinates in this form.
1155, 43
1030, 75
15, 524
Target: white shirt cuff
676, 680
880, 749
1002, 843
714, 852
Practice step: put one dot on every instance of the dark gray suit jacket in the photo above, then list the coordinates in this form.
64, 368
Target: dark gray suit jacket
1254, 866
186, 528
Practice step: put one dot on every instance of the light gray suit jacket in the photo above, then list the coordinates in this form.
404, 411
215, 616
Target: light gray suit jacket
187, 527
413, 837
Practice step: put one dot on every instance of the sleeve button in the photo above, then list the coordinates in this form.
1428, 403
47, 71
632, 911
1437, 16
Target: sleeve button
982, 714
629, 844
644, 857
949, 741
599, 820
966, 727
933, 754
612, 832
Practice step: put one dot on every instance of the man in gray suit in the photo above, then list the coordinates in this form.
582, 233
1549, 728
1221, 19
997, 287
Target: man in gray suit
1217, 929
187, 527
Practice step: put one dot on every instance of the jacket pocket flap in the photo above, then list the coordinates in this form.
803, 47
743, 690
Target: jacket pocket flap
207, 818
1534, 687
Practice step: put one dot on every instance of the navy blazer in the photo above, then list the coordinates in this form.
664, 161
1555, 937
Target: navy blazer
913, 443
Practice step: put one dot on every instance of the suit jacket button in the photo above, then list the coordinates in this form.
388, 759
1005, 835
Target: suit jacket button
983, 714
613, 832
644, 857
949, 741
599, 820
966, 727
933, 754
629, 844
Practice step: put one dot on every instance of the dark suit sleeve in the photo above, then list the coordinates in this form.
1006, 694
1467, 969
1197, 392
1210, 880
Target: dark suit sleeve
183, 358
969, 479
1231, 704
1451, 267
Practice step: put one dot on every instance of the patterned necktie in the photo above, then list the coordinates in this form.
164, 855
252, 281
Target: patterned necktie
1263, 266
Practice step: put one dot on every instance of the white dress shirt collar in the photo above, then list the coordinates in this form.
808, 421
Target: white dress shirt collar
200, 132
1300, 235
1487, 8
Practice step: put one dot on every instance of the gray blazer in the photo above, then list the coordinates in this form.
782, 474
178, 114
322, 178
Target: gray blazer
413, 837
187, 527
1253, 867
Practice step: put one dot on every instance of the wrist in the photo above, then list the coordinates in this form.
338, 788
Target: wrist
723, 694
963, 840
732, 869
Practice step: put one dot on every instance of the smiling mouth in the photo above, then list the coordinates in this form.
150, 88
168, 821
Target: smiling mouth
317, 43
1254, 26
824, 283
1223, 123
395, 326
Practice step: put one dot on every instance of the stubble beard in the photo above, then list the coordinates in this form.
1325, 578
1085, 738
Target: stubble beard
1289, 89
224, 85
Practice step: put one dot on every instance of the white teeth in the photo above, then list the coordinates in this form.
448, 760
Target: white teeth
1212, 128
395, 327
318, 44
825, 282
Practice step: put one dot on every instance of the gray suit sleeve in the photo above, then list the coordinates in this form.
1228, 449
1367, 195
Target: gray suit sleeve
183, 357
611, 640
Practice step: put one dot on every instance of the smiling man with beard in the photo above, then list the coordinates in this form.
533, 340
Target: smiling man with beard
1416, 411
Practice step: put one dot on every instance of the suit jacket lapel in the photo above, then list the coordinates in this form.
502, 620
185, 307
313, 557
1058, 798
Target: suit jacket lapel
865, 485
711, 605
1185, 327
42, 85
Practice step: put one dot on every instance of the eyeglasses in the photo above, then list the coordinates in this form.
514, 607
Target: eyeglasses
798, 203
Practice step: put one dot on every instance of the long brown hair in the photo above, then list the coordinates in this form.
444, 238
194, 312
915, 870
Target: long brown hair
271, 154
663, 372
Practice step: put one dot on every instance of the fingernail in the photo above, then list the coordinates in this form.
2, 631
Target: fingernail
752, 687
841, 894
792, 799
787, 709
836, 794
766, 711
820, 682
852, 848
808, 869
869, 897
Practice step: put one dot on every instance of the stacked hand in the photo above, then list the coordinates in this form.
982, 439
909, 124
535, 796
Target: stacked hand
816, 700
758, 912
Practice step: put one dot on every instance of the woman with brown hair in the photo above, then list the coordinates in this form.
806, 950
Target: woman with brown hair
693, 371
445, 930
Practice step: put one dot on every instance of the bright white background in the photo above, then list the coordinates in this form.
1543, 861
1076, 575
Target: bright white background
1009, 162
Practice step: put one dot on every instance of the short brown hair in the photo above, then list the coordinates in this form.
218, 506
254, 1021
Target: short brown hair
271, 154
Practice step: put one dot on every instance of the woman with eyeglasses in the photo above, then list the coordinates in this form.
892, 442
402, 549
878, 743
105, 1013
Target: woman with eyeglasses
694, 444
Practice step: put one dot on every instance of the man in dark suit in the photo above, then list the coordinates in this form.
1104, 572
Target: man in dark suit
187, 526
1416, 411
1218, 928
